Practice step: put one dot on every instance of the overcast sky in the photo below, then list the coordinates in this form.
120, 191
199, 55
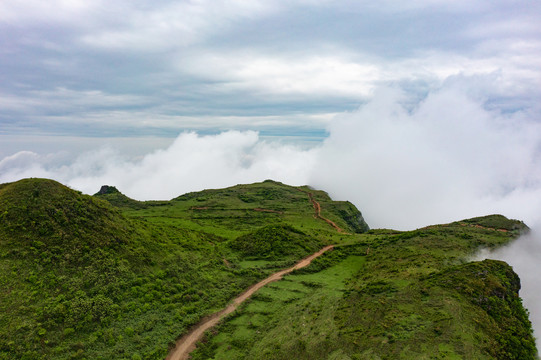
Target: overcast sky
152, 69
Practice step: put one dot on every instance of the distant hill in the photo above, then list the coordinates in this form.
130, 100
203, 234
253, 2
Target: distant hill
109, 277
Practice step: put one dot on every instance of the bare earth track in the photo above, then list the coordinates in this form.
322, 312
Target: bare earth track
317, 209
187, 343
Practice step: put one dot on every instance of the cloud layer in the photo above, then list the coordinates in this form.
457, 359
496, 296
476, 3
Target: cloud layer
448, 158
192, 162
405, 162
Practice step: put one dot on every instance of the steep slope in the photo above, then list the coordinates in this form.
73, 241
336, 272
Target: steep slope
39, 210
58, 268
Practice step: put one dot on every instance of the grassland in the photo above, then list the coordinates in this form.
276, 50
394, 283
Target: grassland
410, 295
108, 277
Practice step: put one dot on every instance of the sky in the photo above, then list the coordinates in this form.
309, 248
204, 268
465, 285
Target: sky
418, 112
76, 74
428, 105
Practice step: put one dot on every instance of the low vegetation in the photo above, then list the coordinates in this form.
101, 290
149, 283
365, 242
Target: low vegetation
275, 242
108, 277
391, 295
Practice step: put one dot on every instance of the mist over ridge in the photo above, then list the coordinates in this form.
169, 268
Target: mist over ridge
523, 255
448, 157
419, 113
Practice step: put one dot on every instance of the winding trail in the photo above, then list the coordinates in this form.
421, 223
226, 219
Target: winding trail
186, 344
317, 211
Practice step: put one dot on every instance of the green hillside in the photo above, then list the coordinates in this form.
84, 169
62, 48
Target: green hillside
82, 278
109, 277
409, 295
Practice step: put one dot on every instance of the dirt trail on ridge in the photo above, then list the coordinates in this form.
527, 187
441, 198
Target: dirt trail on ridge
317, 209
187, 343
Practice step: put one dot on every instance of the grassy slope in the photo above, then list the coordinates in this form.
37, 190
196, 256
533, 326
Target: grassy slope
233, 211
80, 278
406, 295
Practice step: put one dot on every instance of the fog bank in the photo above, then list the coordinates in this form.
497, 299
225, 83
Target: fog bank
404, 162
447, 159
523, 255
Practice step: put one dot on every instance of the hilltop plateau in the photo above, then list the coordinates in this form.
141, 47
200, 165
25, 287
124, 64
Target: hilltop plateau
109, 277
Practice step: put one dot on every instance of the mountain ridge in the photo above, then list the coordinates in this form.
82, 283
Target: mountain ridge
84, 278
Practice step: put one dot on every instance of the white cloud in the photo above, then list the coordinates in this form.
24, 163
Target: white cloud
343, 74
168, 60
172, 25
314, 76
190, 163
54, 11
447, 159
18, 160
523, 255
329, 75
64, 100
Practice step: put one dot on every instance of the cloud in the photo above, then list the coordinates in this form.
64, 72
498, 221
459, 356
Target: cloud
406, 161
22, 159
107, 61
172, 25
449, 158
190, 163
331, 76
54, 11
63, 100
523, 255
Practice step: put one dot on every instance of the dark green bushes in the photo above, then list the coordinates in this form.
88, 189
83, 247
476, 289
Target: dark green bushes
498, 222
275, 242
493, 286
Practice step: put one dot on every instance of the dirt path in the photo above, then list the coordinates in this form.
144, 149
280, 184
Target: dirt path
317, 209
187, 343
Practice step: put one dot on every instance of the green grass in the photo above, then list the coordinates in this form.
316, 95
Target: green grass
393, 295
499, 222
237, 210
108, 277
263, 327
